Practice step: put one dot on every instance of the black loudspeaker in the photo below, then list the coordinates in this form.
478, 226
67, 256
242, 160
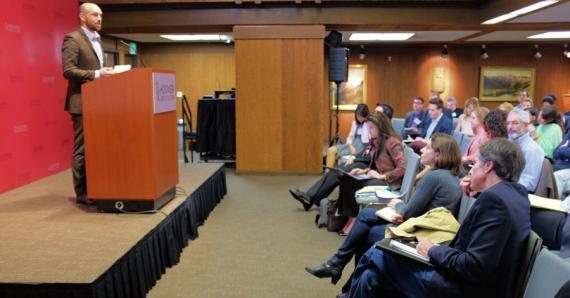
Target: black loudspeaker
338, 64
334, 39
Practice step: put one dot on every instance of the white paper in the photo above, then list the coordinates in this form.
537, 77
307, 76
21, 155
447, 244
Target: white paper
382, 193
386, 213
121, 68
408, 249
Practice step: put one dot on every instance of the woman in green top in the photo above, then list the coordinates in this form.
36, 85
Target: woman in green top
549, 132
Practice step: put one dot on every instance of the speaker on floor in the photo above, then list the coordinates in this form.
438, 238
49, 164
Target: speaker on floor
338, 64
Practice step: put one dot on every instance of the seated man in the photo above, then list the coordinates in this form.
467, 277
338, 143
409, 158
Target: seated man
561, 156
436, 122
414, 119
517, 128
452, 106
482, 260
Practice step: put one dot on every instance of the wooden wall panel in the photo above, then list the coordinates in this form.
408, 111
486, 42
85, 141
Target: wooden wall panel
200, 68
279, 96
396, 73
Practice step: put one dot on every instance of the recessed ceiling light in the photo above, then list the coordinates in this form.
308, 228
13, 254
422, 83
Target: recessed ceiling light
380, 36
551, 35
519, 12
195, 37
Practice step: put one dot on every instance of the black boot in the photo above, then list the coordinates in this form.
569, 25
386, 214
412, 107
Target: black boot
326, 270
301, 197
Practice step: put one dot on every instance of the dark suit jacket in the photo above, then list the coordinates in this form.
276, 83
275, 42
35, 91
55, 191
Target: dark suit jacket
79, 64
445, 125
483, 259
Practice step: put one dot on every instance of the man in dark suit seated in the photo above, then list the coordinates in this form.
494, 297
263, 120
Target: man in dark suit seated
482, 260
414, 119
455, 112
436, 122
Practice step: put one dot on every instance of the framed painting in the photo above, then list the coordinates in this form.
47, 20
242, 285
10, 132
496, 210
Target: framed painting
505, 83
353, 91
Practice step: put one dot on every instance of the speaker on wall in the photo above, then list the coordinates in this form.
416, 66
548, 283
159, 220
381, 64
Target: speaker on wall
338, 64
334, 39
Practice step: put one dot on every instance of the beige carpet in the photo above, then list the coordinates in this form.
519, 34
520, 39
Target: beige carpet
256, 243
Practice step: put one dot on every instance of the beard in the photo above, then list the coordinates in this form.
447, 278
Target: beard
513, 136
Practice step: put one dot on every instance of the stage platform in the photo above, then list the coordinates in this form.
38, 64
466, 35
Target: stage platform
52, 247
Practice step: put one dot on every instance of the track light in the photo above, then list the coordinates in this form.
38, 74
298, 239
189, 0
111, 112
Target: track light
362, 54
535, 53
566, 51
444, 52
484, 54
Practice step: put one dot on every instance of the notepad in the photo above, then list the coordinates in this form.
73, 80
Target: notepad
386, 213
383, 193
545, 203
405, 249
121, 68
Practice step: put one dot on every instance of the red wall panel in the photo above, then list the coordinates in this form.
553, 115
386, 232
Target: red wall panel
35, 131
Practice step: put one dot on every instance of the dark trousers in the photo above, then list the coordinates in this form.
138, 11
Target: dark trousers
78, 156
367, 230
346, 202
383, 274
329, 181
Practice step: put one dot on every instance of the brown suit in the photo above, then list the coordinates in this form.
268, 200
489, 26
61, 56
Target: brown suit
79, 64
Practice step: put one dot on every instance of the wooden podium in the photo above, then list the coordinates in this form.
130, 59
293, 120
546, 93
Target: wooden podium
131, 145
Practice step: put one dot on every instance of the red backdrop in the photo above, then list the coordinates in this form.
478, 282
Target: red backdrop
35, 132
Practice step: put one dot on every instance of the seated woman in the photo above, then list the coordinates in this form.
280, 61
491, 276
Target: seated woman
387, 168
561, 155
480, 135
549, 133
464, 122
357, 138
439, 188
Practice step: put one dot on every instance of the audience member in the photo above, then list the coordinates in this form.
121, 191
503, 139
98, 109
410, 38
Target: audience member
522, 96
464, 122
357, 138
561, 155
437, 122
386, 109
414, 119
480, 135
387, 169
549, 133
452, 106
439, 188
482, 260
496, 124
517, 123
549, 98
506, 106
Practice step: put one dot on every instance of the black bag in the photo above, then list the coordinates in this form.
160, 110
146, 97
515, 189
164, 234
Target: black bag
335, 221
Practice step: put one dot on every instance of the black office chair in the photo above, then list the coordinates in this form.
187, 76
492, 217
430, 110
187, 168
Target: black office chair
531, 248
189, 136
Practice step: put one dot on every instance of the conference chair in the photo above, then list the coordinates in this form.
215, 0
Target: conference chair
464, 145
189, 135
531, 249
458, 136
398, 124
549, 273
465, 205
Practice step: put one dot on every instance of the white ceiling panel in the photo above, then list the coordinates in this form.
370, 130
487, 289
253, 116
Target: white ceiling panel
556, 14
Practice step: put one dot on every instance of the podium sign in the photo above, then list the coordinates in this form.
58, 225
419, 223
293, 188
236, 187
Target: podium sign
131, 145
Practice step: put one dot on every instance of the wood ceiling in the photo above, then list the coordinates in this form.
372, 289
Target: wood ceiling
129, 18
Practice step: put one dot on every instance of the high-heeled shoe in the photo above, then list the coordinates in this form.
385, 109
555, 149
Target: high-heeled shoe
326, 270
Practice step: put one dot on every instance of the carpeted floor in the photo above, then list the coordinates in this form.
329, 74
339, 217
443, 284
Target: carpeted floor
256, 243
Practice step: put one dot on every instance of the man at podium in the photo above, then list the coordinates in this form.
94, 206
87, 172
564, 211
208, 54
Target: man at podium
82, 56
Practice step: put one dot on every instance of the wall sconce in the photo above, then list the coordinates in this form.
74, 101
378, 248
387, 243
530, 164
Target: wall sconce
535, 53
444, 52
566, 51
362, 53
484, 54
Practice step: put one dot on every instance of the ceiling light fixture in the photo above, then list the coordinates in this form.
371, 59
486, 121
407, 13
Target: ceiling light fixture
484, 54
196, 37
362, 53
519, 12
551, 35
380, 36
444, 52
535, 53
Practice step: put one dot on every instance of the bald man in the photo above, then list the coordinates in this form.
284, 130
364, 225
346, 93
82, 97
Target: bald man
82, 62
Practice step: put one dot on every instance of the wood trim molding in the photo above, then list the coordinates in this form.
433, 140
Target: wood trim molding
279, 32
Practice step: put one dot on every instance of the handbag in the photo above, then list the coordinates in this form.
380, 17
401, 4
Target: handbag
335, 221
